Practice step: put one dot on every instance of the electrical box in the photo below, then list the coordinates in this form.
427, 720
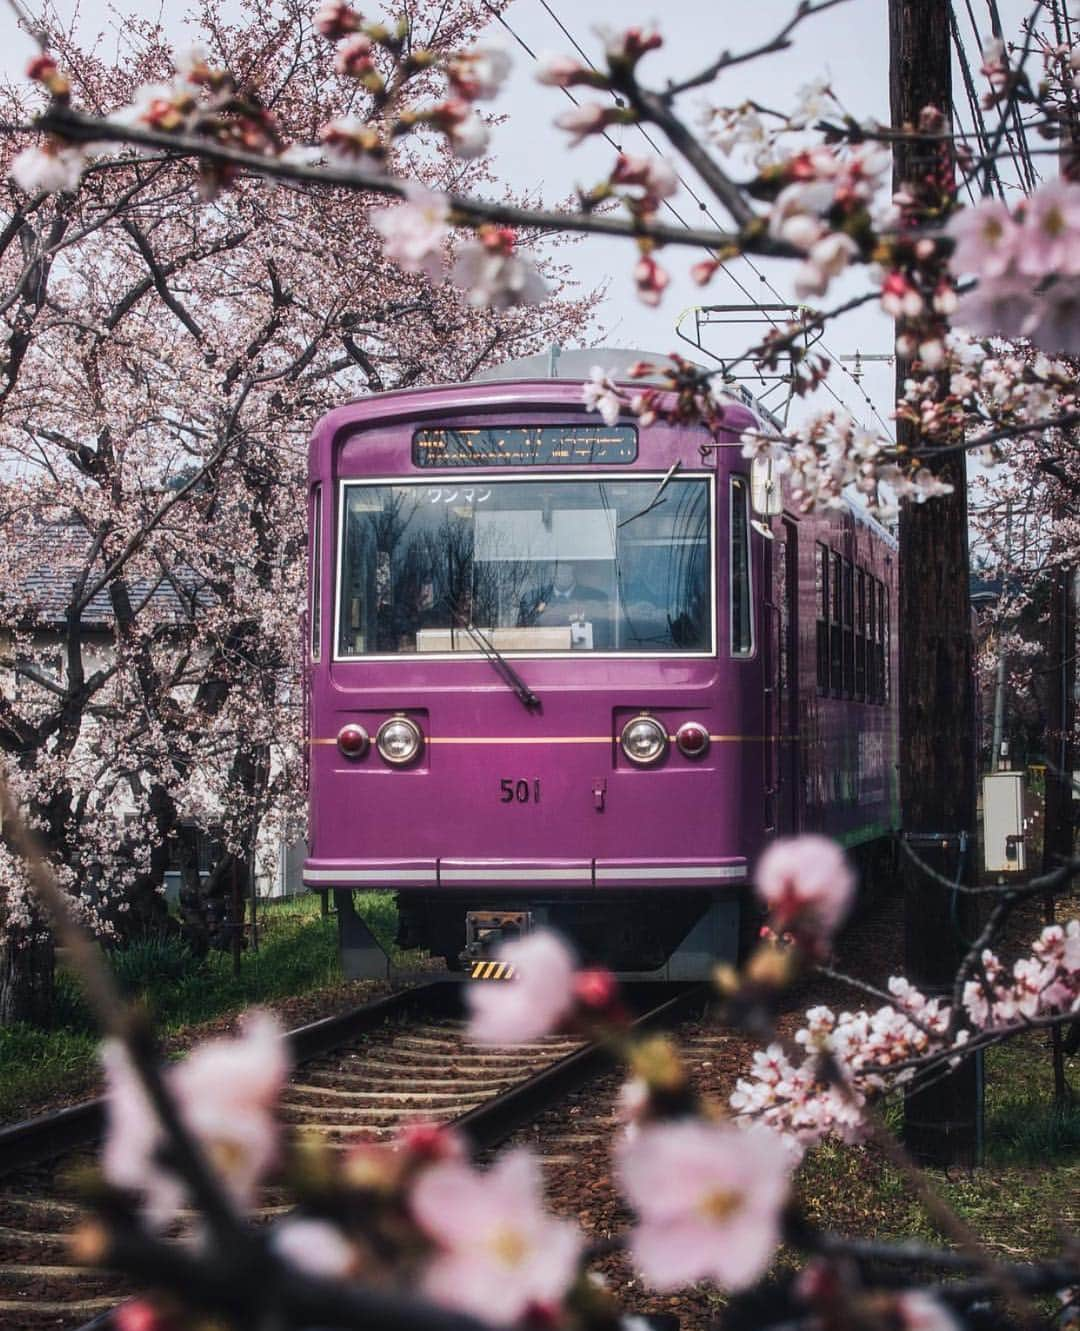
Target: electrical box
1003, 822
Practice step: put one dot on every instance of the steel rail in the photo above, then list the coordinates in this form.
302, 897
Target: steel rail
496, 1119
45, 1136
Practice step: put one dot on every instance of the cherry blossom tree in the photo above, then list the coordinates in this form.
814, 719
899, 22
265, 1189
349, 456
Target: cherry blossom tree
709, 1184
165, 360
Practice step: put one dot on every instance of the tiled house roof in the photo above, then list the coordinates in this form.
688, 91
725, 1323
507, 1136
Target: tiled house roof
48, 559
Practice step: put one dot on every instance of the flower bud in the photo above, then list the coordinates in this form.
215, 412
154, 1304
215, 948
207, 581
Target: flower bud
657, 1063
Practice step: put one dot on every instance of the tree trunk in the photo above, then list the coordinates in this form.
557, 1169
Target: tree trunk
27, 972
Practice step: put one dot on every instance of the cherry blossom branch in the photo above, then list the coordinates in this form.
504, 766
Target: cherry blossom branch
81, 128
948, 1222
804, 10
237, 1284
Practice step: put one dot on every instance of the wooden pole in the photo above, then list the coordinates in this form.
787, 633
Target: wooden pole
937, 696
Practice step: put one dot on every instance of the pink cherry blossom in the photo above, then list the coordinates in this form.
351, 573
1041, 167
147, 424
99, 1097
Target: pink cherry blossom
414, 232
48, 168
600, 394
225, 1092
315, 1247
499, 1254
540, 995
807, 884
354, 55
708, 1198
1004, 307
629, 44
828, 257
562, 71
650, 280
919, 1311
351, 142
651, 176
334, 19
1050, 236
588, 118
492, 272
480, 73
985, 237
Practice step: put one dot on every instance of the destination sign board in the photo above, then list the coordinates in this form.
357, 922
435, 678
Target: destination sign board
526, 446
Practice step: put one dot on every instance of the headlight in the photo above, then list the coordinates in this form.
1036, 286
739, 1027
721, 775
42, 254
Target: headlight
399, 740
692, 739
644, 740
353, 740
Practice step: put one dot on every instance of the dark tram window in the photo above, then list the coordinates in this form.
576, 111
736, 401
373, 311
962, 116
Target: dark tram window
849, 629
860, 635
884, 608
821, 597
836, 619
871, 639
742, 620
316, 572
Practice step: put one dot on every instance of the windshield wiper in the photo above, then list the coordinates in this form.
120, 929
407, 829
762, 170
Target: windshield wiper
500, 664
655, 500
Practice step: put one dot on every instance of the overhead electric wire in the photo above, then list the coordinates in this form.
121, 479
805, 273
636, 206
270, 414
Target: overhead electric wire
702, 205
1023, 159
991, 175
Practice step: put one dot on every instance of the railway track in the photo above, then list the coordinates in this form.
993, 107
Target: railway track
358, 1077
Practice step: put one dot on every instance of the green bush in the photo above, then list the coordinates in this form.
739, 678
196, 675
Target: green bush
148, 964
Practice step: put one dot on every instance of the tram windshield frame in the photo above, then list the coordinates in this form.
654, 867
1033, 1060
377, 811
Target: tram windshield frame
553, 565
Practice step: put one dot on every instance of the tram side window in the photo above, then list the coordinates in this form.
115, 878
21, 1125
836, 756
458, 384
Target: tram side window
886, 638
316, 573
742, 621
860, 635
871, 639
821, 593
836, 632
849, 629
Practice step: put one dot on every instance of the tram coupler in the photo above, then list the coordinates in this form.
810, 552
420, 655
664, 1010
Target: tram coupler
486, 930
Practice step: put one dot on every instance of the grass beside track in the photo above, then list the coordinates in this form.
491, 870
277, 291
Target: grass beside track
297, 955
1018, 1201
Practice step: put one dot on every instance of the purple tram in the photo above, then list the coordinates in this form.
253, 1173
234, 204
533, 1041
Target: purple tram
566, 673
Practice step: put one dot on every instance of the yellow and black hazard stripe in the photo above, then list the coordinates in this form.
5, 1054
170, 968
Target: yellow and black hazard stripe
492, 970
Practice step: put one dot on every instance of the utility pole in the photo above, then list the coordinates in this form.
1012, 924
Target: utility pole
937, 696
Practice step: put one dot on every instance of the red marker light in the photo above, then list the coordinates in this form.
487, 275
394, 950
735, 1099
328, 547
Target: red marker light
353, 741
692, 739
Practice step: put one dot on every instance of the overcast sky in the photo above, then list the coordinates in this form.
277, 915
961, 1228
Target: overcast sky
848, 45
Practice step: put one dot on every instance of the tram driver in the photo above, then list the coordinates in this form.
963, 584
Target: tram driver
566, 599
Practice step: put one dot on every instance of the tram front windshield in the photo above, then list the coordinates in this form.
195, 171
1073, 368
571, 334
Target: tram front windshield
547, 565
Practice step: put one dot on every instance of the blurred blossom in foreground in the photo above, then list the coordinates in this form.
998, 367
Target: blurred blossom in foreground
534, 1003
413, 232
225, 1093
491, 271
807, 885
708, 1198
500, 1254
316, 1247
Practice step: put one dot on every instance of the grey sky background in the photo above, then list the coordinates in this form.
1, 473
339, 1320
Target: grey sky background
848, 45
